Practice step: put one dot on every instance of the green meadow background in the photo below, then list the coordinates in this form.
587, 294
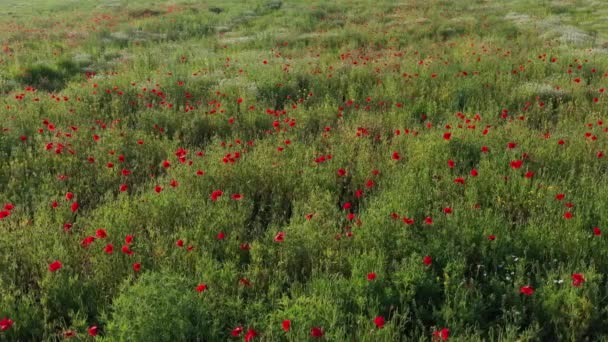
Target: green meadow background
324, 131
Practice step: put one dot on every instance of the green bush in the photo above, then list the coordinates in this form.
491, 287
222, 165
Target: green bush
156, 307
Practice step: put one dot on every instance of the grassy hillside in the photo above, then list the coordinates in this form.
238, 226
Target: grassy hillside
303, 170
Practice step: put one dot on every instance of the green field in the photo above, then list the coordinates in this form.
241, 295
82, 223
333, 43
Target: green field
266, 170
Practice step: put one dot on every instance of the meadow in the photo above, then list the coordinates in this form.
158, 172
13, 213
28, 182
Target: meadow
265, 170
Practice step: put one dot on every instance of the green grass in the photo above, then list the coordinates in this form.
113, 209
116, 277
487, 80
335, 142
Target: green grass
329, 119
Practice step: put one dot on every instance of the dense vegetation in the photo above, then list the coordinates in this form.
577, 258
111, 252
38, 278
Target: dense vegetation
301, 170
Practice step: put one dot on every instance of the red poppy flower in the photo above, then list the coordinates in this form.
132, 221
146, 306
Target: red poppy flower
447, 210
491, 237
87, 241
201, 287
568, 215
236, 332
250, 335
180, 243
316, 332
359, 193
101, 233
237, 197
280, 237
379, 322
126, 250
341, 172
93, 331
136, 267
442, 334
427, 260
371, 276
286, 325
216, 194
55, 265
408, 221
123, 187
577, 279
597, 231
129, 239
396, 156
221, 235
69, 334
516, 164
109, 249
474, 173
6, 324
447, 136
526, 290
560, 197
74, 207
451, 164
245, 282
369, 184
